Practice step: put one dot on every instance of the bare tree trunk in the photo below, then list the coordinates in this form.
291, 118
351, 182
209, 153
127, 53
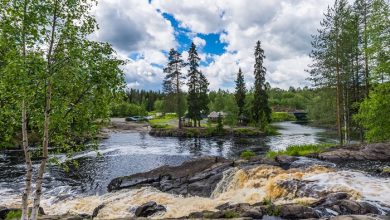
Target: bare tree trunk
338, 97
38, 190
45, 144
366, 73
26, 150
27, 157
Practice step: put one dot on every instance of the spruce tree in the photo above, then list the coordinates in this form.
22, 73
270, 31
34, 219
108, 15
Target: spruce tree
197, 88
261, 112
174, 81
240, 92
193, 84
203, 96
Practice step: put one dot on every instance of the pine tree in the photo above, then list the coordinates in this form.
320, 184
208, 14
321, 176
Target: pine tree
240, 92
173, 82
193, 84
261, 112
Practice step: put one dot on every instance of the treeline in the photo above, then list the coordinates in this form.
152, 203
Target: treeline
196, 102
351, 63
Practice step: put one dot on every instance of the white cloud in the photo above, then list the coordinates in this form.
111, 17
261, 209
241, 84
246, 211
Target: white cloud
284, 28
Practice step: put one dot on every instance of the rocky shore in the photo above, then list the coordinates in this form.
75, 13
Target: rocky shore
259, 188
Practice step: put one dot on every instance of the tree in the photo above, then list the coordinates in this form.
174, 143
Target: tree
68, 80
240, 92
197, 97
174, 81
374, 114
261, 112
193, 84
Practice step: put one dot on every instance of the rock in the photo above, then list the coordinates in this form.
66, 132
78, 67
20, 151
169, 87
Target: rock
377, 152
196, 177
97, 209
285, 161
294, 211
347, 207
148, 209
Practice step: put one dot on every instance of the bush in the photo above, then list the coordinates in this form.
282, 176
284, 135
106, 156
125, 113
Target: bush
300, 150
247, 154
126, 109
16, 214
374, 114
282, 116
161, 126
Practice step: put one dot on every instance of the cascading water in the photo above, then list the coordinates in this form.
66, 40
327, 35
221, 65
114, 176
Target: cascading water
237, 186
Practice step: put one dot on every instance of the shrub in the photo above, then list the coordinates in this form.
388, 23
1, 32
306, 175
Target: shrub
126, 109
247, 154
300, 150
282, 116
15, 214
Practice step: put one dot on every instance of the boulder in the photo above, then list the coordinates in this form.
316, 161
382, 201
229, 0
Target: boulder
294, 211
97, 209
149, 209
196, 177
285, 161
376, 152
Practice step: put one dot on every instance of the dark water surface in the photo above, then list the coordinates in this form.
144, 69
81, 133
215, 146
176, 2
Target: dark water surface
129, 153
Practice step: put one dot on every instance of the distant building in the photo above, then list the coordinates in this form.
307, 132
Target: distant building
213, 116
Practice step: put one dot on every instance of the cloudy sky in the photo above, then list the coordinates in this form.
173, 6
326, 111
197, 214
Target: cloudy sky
225, 32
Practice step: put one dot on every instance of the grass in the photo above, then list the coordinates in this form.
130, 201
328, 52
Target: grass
386, 170
282, 116
160, 125
230, 214
247, 154
15, 214
300, 150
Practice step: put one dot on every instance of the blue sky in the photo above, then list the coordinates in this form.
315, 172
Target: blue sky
225, 32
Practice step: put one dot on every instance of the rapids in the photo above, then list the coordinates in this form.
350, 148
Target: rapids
238, 186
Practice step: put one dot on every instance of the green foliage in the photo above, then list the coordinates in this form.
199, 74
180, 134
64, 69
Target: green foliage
159, 105
282, 116
14, 214
374, 114
300, 150
230, 214
219, 127
160, 126
247, 154
126, 109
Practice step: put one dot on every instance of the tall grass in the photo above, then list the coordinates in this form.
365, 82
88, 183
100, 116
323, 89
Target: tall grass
300, 150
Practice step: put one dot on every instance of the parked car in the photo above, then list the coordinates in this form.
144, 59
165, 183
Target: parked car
136, 118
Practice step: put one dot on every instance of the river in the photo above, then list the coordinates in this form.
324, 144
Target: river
125, 153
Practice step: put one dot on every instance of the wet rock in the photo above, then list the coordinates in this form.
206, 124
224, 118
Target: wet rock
358, 217
294, 211
97, 209
377, 152
64, 217
196, 177
148, 209
285, 161
347, 207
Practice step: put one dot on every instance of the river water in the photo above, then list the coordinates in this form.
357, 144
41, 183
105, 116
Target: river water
125, 153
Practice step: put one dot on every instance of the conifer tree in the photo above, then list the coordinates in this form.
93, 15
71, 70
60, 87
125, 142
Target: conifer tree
174, 81
240, 92
193, 84
261, 112
197, 98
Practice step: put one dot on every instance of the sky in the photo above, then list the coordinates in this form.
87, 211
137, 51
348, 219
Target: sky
224, 31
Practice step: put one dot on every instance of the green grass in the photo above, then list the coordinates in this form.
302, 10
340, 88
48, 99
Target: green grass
16, 214
247, 154
282, 116
386, 170
300, 150
160, 125
231, 214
